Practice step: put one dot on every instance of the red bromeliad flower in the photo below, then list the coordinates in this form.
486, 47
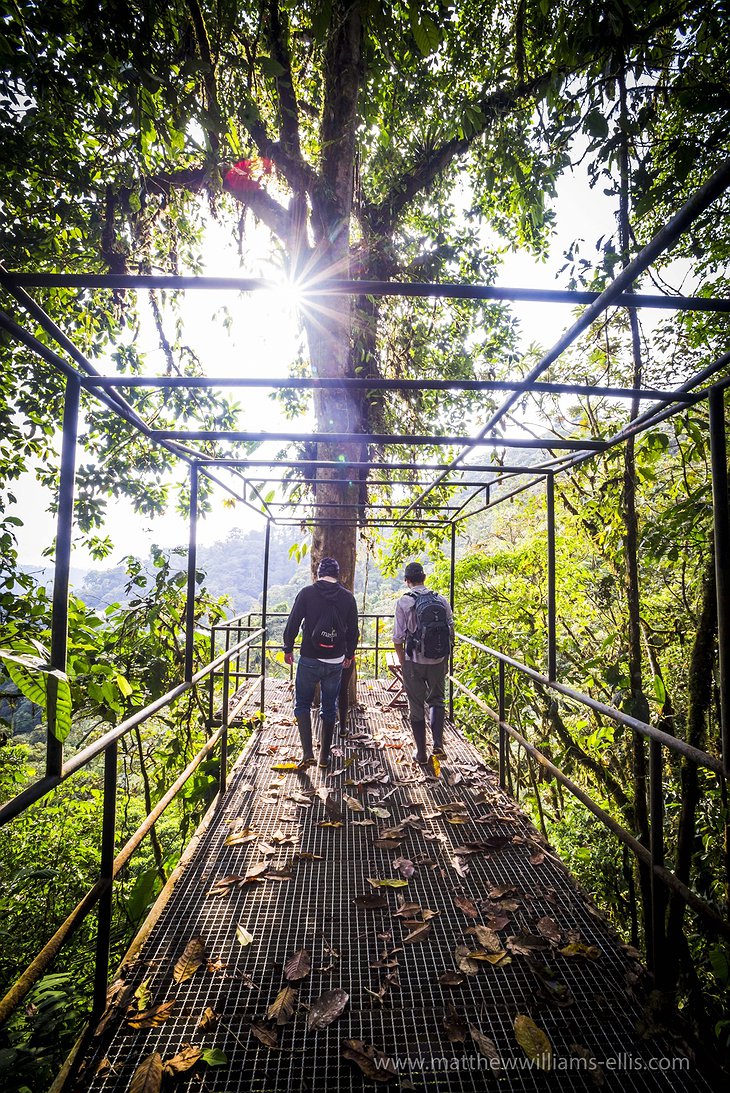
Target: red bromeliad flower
247, 174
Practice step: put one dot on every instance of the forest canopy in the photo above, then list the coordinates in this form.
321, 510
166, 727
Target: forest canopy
405, 142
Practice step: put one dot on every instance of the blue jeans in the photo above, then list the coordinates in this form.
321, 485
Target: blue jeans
309, 673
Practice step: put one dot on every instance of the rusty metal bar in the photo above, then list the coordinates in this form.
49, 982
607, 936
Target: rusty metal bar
121, 282
312, 383
721, 526
680, 746
258, 435
106, 877
662, 241
662, 873
552, 654
50, 950
64, 530
192, 571
82, 758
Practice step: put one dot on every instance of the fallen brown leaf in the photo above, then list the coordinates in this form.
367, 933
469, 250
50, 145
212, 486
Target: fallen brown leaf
373, 1063
193, 955
327, 1008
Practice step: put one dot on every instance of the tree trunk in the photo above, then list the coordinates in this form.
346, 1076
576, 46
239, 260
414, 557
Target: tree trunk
700, 700
639, 707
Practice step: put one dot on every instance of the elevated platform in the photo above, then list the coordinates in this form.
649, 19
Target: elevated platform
304, 914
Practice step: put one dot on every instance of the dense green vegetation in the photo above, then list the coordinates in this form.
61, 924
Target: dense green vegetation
386, 140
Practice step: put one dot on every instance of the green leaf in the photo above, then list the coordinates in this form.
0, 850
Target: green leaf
31, 676
269, 66
659, 690
595, 124
213, 1056
124, 686
425, 32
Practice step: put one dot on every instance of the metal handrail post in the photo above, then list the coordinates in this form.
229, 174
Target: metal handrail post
192, 567
64, 527
502, 734
264, 605
656, 957
452, 585
223, 774
106, 876
377, 643
721, 528
211, 680
552, 658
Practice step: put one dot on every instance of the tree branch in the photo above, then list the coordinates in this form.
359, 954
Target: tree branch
288, 108
209, 81
383, 216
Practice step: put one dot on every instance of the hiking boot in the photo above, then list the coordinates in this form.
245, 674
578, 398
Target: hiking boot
304, 724
325, 743
418, 728
438, 714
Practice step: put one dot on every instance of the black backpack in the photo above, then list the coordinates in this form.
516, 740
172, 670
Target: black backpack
328, 632
432, 636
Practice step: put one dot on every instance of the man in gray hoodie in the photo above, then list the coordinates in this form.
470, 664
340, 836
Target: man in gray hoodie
327, 615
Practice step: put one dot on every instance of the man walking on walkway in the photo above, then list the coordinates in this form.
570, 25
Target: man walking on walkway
423, 637
327, 613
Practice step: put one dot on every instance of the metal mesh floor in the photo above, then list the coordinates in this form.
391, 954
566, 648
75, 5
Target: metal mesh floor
396, 1000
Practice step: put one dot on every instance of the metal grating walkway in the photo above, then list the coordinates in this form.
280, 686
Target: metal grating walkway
584, 1003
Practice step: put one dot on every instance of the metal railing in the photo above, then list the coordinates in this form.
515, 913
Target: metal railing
111, 863
372, 653
653, 855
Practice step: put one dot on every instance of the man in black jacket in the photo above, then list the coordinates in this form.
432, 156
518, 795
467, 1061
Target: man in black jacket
328, 613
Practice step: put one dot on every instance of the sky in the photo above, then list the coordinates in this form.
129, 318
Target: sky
263, 342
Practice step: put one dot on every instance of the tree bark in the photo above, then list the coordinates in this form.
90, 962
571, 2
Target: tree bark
700, 701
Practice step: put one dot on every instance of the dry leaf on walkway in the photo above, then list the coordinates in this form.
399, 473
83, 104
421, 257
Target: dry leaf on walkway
304, 855
327, 1008
152, 1017
329, 823
580, 948
243, 937
526, 943
386, 844
209, 1020
265, 1035
364, 823
486, 938
389, 882
371, 902
548, 928
239, 838
468, 906
223, 885
373, 1063
451, 979
255, 871
298, 966
455, 1026
497, 922
406, 910
419, 934
282, 1007
464, 962
186, 1058
353, 803
147, 1078
498, 959
404, 866
534, 1042
487, 1048
381, 813
193, 956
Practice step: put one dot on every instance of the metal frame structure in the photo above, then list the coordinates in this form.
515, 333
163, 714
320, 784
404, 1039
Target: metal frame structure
479, 479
